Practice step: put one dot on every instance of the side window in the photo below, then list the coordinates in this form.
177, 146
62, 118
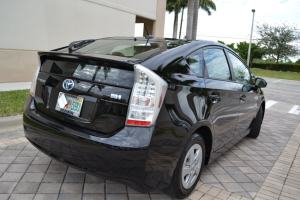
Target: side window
216, 64
195, 62
252, 77
241, 72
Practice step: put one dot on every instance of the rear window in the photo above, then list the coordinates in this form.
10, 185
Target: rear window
124, 48
108, 73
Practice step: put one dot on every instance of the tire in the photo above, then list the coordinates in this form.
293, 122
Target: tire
254, 133
185, 177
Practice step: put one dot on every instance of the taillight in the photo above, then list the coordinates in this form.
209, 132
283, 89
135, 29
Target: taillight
33, 84
146, 97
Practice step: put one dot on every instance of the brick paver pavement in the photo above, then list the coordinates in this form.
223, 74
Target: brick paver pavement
243, 168
283, 181
26, 173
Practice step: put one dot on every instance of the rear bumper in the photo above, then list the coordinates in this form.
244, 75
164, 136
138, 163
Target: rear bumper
123, 157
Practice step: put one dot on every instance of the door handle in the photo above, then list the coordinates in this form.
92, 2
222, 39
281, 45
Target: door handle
243, 97
214, 97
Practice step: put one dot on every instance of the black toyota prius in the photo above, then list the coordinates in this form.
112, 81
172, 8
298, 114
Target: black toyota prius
146, 112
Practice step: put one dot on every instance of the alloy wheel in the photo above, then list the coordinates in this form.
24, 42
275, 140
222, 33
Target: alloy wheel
191, 166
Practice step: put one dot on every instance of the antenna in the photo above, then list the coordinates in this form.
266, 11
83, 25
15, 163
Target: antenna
148, 35
146, 27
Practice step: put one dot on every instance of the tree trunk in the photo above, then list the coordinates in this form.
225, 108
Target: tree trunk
181, 22
189, 23
175, 25
195, 19
277, 59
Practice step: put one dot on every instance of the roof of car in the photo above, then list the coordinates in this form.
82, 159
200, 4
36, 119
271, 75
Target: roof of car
172, 42
165, 45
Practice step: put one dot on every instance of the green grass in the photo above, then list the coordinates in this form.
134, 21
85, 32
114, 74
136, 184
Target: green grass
12, 102
276, 74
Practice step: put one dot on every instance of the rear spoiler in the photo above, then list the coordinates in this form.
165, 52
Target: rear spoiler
92, 58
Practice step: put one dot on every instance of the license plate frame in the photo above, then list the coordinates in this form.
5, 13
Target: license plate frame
69, 104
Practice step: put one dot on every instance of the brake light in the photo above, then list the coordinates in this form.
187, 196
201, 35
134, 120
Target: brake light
146, 98
33, 84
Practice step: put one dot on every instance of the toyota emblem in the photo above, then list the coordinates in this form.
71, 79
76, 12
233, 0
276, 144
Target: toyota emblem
68, 84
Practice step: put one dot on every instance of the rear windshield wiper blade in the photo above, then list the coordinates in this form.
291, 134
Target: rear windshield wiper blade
79, 44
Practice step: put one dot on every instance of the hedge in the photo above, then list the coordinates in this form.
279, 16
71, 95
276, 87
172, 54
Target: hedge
281, 67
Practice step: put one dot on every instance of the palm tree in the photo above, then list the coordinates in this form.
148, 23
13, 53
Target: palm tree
183, 6
175, 6
206, 5
192, 18
195, 18
189, 21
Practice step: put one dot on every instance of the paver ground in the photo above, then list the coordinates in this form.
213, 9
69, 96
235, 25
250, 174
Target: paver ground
26, 173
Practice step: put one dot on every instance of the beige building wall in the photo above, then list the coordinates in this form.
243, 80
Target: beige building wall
33, 25
17, 65
159, 23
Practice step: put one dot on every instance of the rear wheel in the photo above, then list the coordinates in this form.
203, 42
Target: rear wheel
188, 169
254, 133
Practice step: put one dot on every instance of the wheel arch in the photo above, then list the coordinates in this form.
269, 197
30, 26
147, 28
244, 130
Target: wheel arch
206, 134
263, 105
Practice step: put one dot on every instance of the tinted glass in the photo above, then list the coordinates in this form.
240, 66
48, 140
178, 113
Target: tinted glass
216, 64
100, 72
124, 48
195, 62
172, 43
241, 72
252, 77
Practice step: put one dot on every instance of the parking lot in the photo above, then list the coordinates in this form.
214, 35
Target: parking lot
265, 168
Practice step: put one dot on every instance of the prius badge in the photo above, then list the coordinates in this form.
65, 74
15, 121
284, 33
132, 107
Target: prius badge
68, 84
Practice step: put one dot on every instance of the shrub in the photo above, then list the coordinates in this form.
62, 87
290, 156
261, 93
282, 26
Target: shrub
286, 67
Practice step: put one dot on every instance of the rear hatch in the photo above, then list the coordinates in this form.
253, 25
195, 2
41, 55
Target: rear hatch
98, 101
88, 84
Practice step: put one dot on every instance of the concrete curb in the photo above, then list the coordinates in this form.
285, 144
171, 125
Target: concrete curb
11, 127
15, 86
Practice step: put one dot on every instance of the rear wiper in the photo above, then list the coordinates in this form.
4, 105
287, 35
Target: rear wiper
79, 44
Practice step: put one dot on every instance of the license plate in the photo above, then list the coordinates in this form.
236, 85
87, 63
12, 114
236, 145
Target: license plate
69, 104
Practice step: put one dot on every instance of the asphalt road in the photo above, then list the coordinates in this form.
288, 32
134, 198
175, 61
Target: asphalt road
282, 90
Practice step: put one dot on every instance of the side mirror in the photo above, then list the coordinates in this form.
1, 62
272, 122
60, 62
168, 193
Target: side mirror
259, 82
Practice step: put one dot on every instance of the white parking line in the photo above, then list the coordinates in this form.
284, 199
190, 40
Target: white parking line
294, 109
270, 103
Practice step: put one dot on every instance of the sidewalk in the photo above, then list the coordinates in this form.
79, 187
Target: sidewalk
11, 127
15, 86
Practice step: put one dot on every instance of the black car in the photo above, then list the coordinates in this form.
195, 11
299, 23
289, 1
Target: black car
146, 112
